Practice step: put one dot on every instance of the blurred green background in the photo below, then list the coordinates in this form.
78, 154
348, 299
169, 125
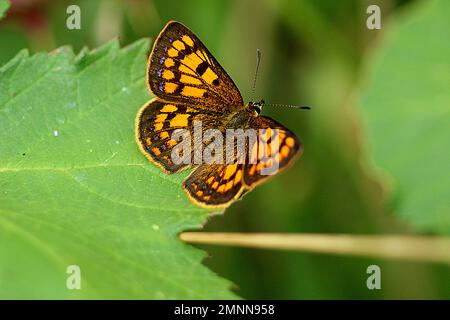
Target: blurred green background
313, 53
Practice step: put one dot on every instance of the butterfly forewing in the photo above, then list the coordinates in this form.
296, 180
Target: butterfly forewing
182, 69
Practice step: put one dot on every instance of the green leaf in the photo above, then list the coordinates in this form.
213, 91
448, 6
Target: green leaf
75, 189
4, 6
407, 113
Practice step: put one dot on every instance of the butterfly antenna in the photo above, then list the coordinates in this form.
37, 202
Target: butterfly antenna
289, 106
258, 60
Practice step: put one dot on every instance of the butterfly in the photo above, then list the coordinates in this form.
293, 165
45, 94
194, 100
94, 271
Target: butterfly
191, 87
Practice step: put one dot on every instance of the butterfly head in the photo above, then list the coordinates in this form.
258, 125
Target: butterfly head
256, 106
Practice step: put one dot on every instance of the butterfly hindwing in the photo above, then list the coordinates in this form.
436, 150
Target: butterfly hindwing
275, 149
215, 184
219, 184
181, 69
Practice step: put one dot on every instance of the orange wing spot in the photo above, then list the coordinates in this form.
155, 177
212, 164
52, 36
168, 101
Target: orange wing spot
229, 171
188, 40
192, 92
269, 133
148, 141
171, 143
290, 142
164, 135
252, 170
206, 198
167, 74
210, 180
221, 189
192, 61
199, 193
215, 185
180, 120
169, 108
170, 87
238, 177
177, 44
209, 76
183, 68
285, 151
207, 58
190, 110
261, 149
169, 62
201, 55
269, 163
259, 166
189, 80
172, 52
159, 121
156, 151
229, 185
161, 117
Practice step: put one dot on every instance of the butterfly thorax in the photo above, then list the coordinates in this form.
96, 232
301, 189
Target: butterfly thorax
241, 118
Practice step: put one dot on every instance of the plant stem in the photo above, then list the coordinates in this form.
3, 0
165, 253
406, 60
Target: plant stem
417, 248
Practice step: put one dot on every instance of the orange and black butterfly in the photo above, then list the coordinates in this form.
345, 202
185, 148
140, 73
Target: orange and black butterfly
190, 85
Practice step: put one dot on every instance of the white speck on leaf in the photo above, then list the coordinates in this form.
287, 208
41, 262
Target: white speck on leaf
80, 177
55, 133
109, 158
155, 227
70, 105
60, 120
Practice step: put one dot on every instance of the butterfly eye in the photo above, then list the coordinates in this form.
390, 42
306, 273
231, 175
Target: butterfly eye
257, 108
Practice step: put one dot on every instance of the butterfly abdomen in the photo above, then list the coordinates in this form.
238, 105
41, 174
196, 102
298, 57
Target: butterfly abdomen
240, 119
